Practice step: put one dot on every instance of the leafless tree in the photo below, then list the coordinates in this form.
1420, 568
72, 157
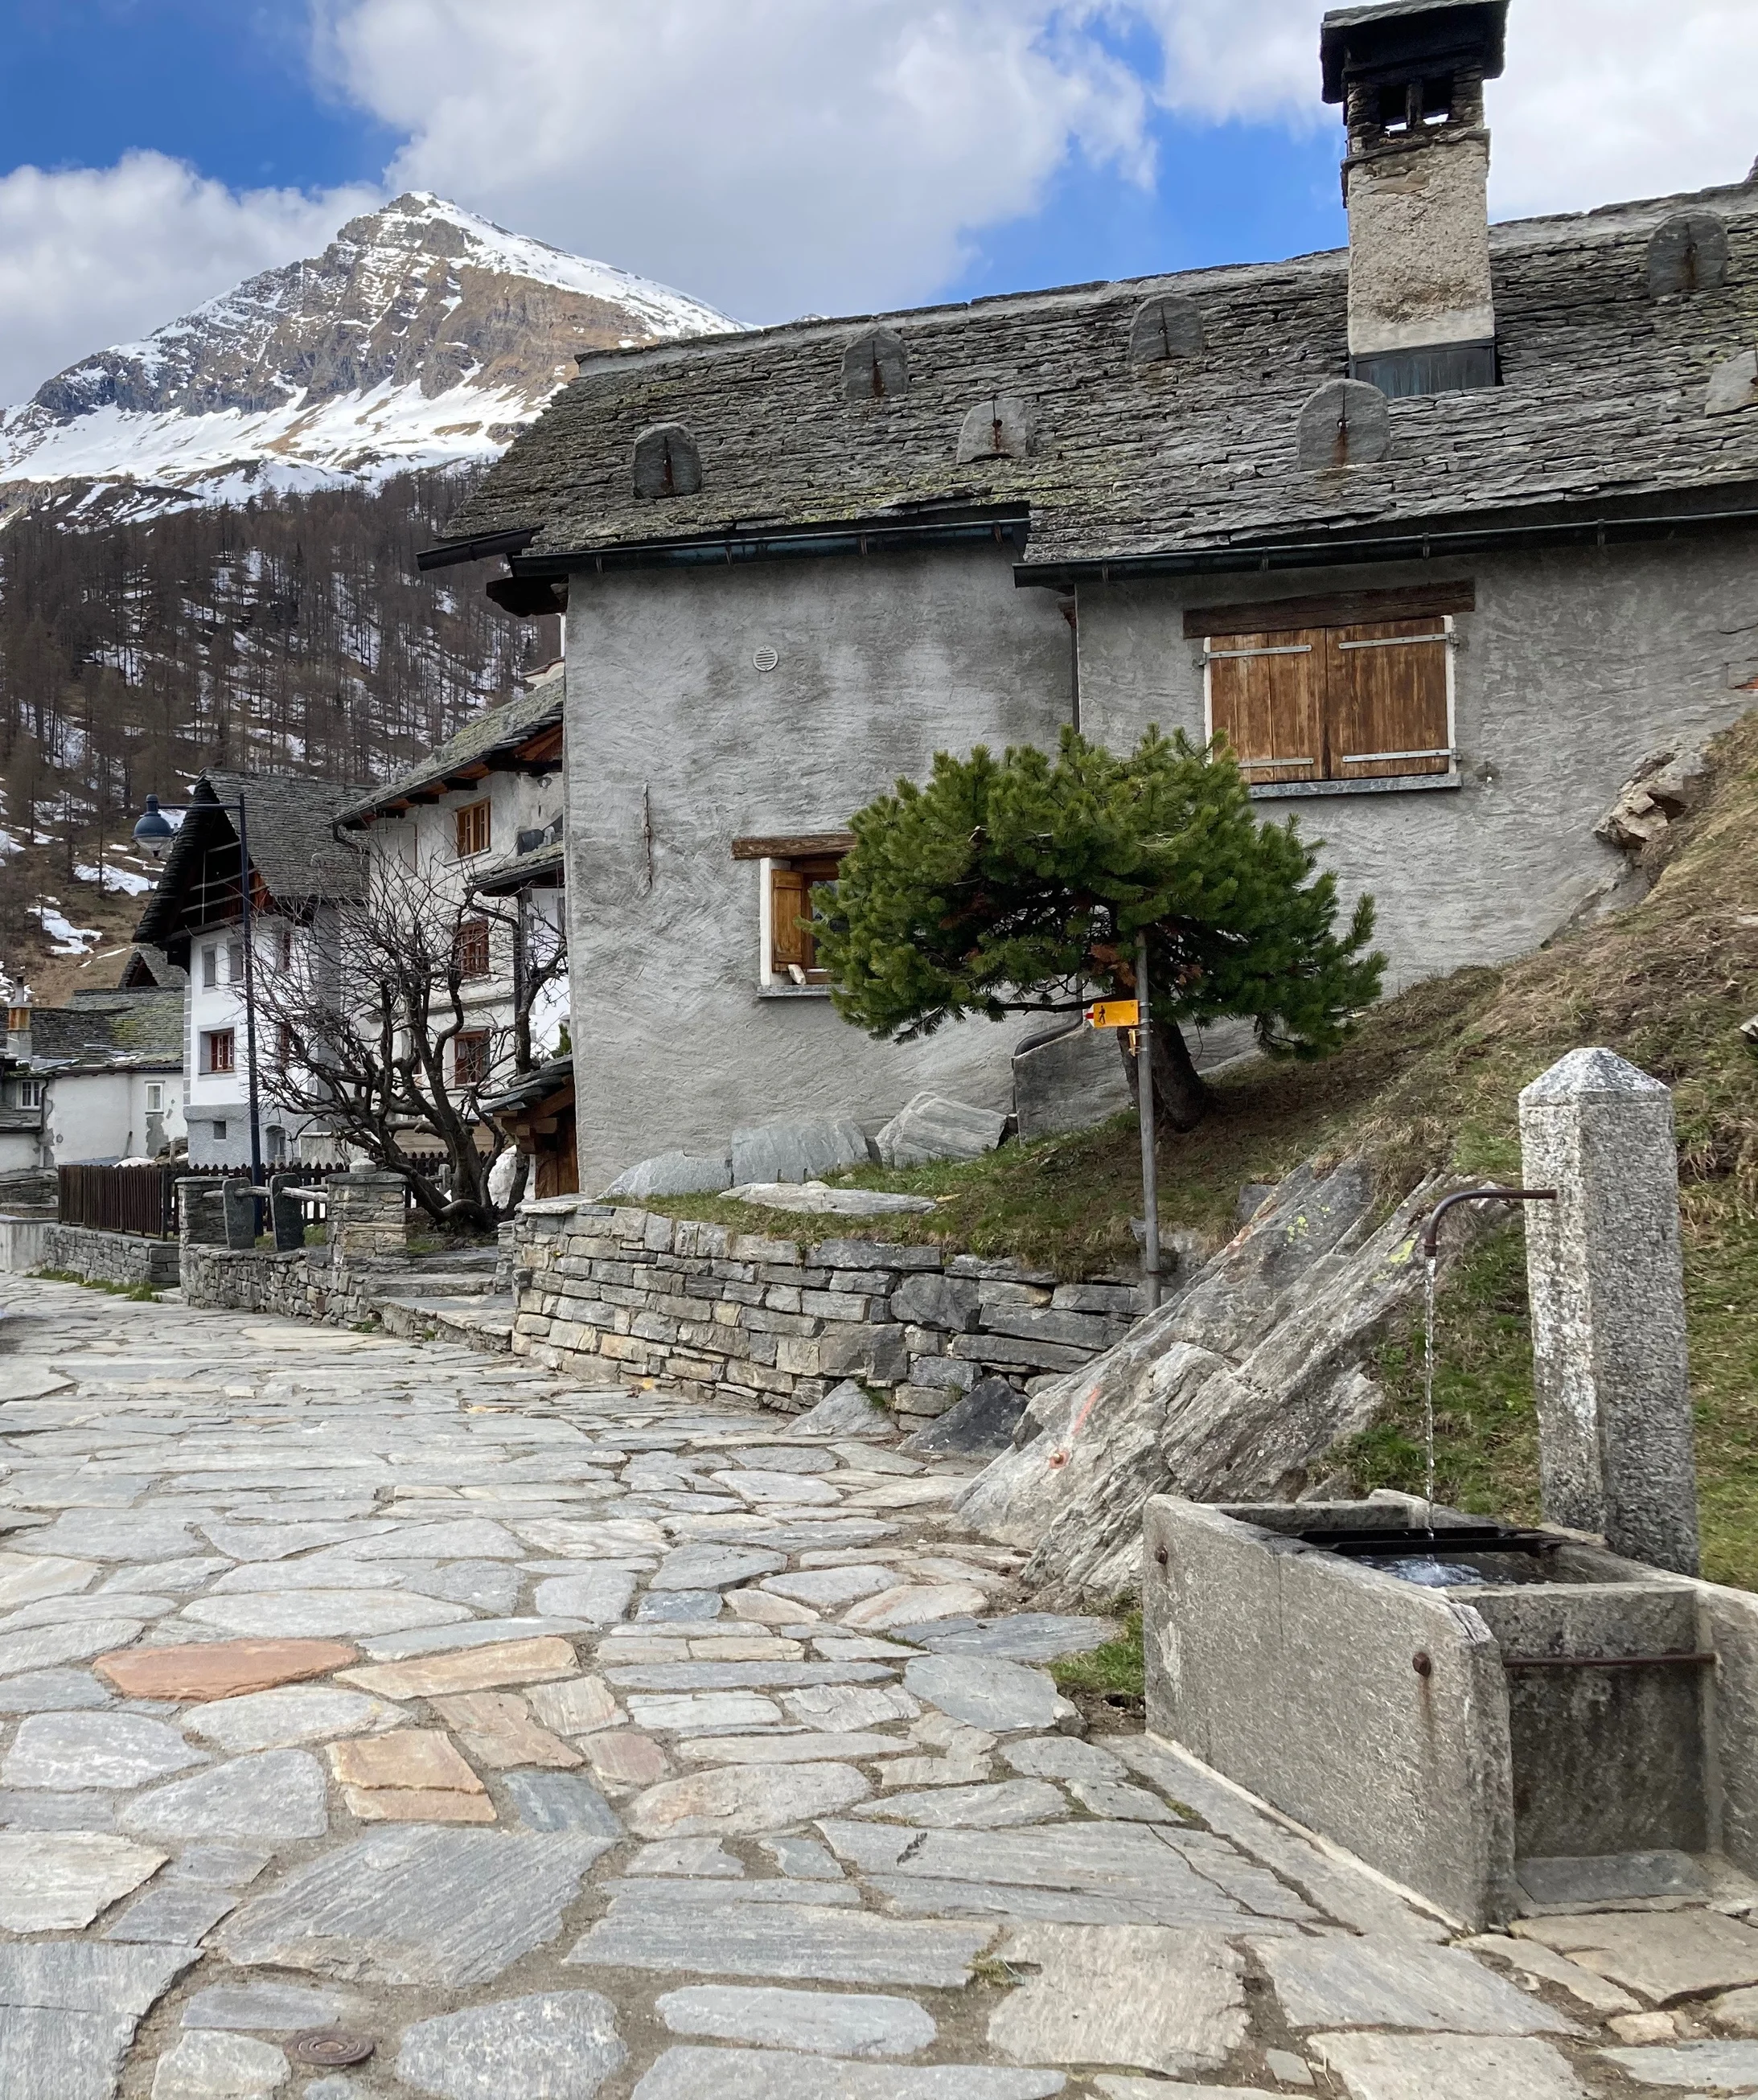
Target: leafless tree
367, 1023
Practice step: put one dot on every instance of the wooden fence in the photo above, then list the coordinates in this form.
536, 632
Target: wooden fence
142, 1200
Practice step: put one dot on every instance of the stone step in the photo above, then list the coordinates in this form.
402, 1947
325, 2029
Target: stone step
483, 1321
449, 1282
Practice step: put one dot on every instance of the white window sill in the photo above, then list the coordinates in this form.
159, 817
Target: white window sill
793, 992
1396, 783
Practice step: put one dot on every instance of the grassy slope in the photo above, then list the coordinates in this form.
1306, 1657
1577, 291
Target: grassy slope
1431, 1079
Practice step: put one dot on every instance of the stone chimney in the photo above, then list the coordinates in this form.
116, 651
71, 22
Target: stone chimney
1410, 75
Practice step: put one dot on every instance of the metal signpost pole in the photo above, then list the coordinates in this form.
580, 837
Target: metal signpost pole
1144, 1075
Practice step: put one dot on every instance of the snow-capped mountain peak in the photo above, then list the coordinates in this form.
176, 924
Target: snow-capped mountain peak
423, 336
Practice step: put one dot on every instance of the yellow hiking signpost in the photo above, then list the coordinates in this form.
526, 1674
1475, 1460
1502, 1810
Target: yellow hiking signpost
1136, 1015
1115, 1013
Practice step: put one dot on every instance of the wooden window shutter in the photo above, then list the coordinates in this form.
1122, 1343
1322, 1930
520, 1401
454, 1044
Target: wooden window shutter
1265, 693
1387, 711
790, 901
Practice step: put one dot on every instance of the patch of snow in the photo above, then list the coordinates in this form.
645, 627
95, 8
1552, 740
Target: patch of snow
123, 881
68, 939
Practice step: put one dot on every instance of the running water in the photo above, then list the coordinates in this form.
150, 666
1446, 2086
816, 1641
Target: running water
1427, 1392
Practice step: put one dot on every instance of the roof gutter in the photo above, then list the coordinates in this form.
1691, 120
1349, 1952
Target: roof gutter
449, 553
1001, 527
1421, 544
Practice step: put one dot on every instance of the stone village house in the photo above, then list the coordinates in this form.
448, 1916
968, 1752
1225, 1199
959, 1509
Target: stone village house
1446, 532
481, 818
300, 876
485, 806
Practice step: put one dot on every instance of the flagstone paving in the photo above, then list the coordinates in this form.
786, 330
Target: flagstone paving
567, 1741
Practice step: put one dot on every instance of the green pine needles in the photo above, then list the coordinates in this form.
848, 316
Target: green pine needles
1019, 884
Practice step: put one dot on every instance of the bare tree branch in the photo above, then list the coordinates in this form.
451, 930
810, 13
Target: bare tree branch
374, 1029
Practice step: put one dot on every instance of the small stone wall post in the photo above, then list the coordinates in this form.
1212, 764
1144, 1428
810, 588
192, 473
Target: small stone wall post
239, 1203
368, 1218
286, 1214
1606, 1279
201, 1213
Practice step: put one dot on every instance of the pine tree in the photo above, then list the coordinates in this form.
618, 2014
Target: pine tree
1020, 885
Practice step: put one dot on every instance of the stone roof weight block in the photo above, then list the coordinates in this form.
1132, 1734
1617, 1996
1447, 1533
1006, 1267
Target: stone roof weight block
999, 428
875, 366
1346, 423
1166, 328
1687, 254
667, 462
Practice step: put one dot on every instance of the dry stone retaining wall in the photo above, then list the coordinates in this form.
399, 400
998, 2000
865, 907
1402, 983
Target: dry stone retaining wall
780, 1321
123, 1258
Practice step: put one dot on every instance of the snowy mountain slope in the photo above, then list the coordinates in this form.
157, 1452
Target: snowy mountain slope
423, 336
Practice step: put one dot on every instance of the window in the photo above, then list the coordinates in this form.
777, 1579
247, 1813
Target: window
30, 1093
470, 1057
210, 968
155, 1097
219, 1133
217, 1050
235, 962
283, 1046
472, 947
1368, 702
792, 957
473, 830
286, 946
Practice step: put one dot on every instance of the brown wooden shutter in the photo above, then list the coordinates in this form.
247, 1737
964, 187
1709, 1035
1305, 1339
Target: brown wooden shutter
789, 901
1265, 694
1386, 690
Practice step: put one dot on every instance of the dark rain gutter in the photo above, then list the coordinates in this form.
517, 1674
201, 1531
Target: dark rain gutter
484, 547
1423, 543
1007, 527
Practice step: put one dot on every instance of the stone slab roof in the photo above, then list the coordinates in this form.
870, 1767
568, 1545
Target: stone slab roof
109, 1031
487, 741
293, 846
1603, 404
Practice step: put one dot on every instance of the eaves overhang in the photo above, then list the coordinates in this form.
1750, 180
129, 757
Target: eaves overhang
1733, 509
1006, 525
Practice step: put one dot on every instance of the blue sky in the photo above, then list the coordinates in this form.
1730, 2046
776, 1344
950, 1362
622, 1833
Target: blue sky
771, 157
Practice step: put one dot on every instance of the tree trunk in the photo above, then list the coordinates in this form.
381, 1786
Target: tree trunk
1181, 1100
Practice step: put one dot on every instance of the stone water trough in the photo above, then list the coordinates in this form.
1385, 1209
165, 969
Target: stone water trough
1500, 1718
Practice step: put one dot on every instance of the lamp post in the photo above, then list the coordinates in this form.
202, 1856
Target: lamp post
153, 834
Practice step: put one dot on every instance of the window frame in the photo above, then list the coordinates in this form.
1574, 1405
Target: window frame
30, 1092
210, 967
210, 1069
770, 983
471, 817
473, 943
1322, 782
153, 1087
479, 1039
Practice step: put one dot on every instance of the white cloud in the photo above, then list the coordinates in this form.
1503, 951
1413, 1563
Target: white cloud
1602, 100
767, 154
95, 256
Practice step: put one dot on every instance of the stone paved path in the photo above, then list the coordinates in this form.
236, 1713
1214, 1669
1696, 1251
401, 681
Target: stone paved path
567, 1742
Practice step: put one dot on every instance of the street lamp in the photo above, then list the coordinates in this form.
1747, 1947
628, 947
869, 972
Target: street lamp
153, 835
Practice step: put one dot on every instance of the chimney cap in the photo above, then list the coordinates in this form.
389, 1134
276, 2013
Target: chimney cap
1394, 39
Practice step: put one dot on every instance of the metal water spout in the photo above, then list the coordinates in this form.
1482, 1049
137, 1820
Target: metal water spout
1431, 1232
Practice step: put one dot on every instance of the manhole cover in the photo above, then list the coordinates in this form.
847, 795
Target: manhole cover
330, 2046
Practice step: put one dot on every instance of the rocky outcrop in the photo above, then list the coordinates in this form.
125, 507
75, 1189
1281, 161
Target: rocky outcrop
929, 1127
1233, 1391
1668, 784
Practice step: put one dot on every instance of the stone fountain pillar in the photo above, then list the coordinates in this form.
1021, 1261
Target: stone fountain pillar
1606, 1280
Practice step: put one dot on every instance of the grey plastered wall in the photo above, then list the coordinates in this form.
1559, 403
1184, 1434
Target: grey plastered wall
882, 662
1292, 1672
1575, 666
